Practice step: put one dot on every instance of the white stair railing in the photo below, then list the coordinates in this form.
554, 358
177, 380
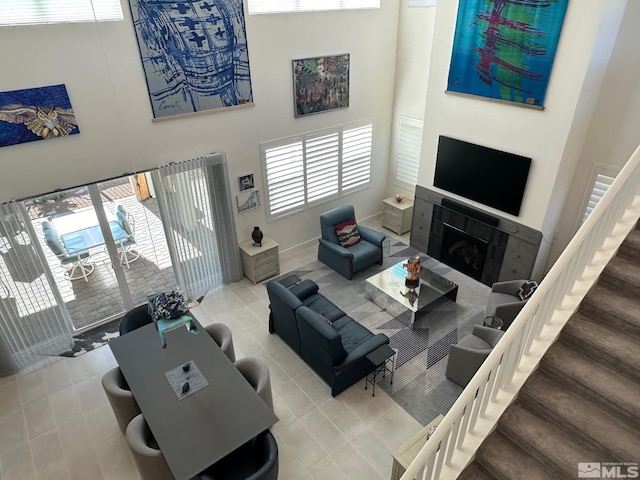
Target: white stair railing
496, 384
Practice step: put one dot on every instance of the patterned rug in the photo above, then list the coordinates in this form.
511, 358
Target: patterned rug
92, 339
419, 383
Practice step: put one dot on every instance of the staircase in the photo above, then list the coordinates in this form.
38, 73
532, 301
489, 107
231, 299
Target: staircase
582, 404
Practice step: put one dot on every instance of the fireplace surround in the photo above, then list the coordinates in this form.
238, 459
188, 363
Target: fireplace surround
487, 247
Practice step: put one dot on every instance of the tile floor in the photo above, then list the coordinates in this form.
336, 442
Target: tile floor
56, 423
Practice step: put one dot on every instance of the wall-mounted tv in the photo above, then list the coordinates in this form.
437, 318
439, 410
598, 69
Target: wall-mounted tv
492, 177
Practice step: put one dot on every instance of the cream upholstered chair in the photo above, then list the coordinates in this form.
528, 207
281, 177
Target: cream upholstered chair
148, 457
256, 372
120, 397
221, 334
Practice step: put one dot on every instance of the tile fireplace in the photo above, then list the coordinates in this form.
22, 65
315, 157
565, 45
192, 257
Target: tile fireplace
486, 247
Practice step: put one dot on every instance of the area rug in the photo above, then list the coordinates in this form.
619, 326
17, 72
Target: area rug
92, 339
419, 384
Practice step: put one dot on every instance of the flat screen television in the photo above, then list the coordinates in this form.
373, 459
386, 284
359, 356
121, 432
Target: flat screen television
492, 177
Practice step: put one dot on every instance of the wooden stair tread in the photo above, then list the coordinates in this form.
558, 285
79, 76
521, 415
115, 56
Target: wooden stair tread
603, 384
614, 347
543, 440
571, 411
506, 461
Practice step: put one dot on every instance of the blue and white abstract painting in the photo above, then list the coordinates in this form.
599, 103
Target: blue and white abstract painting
194, 54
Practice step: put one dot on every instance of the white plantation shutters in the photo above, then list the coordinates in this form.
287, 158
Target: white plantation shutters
421, 3
408, 146
323, 161
291, 6
601, 183
33, 12
356, 156
285, 177
317, 166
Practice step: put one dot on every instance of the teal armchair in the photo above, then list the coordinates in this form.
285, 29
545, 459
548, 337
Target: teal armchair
347, 260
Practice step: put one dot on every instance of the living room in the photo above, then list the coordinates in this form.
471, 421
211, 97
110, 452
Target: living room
589, 119
589, 108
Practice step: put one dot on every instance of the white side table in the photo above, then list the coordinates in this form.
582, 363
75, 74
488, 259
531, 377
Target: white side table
397, 216
262, 262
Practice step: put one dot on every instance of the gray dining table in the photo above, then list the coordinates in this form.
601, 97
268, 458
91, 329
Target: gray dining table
219, 412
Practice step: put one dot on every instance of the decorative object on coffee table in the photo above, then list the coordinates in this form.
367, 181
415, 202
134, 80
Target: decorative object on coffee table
413, 269
257, 235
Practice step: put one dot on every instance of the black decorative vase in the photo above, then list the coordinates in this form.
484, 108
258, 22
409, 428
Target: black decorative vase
257, 235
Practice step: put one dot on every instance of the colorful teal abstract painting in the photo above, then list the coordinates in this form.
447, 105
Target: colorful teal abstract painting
194, 54
504, 49
36, 114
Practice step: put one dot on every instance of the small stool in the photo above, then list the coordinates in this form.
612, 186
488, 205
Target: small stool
383, 358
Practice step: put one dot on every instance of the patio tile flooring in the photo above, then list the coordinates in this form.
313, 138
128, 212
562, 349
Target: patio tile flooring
99, 298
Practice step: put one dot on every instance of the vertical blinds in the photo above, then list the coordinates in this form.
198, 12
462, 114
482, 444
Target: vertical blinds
33, 12
34, 320
183, 196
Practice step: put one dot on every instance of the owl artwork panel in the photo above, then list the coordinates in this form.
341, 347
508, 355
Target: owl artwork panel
33, 114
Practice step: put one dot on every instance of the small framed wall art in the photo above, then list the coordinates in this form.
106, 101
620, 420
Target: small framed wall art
246, 181
248, 200
320, 84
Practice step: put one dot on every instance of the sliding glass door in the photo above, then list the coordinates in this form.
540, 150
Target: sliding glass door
105, 245
73, 259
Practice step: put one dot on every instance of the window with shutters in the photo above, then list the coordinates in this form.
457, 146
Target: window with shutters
407, 151
33, 12
421, 3
601, 181
290, 6
308, 169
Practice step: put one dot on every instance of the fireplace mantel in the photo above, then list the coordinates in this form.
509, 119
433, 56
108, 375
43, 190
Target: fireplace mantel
511, 248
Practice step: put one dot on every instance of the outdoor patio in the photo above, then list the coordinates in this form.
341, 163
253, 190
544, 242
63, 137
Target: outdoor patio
99, 297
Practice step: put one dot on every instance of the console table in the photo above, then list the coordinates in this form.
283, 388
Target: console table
403, 457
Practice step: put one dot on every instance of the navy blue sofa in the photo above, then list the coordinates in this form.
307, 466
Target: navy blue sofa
333, 344
349, 260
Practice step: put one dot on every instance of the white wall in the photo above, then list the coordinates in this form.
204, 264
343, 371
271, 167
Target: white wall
100, 65
415, 38
547, 136
614, 131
